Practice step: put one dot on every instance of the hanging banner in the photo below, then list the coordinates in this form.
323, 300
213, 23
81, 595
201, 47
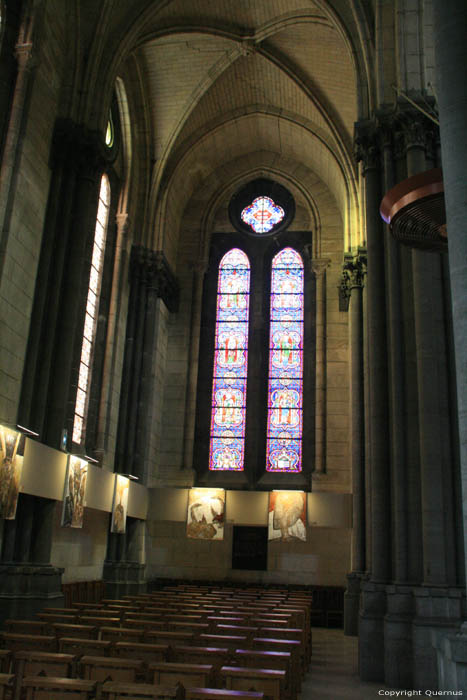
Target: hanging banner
120, 504
74, 492
287, 515
205, 517
11, 447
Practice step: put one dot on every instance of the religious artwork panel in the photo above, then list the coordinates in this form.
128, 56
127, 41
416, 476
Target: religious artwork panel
120, 504
226, 449
205, 517
287, 515
11, 447
74, 492
285, 387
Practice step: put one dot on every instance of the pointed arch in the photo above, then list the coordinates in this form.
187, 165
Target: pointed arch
228, 410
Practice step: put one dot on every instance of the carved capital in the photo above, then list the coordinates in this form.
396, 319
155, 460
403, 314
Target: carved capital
415, 130
353, 276
319, 265
366, 145
151, 268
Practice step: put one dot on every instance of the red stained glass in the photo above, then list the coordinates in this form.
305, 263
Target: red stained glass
227, 443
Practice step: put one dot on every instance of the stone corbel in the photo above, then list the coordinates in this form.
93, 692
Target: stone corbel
152, 268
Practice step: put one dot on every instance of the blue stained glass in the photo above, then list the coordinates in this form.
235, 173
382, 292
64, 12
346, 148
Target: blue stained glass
262, 214
285, 391
227, 444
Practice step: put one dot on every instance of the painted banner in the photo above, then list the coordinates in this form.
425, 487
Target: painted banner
287, 515
11, 446
120, 504
205, 517
74, 492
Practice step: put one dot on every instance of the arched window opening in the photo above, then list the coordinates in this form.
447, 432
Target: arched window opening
228, 411
92, 306
285, 382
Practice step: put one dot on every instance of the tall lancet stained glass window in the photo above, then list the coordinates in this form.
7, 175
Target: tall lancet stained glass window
285, 390
227, 443
90, 319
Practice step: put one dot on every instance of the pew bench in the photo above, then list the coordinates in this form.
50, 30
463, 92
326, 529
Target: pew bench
271, 682
47, 688
171, 673
144, 652
222, 694
82, 647
110, 668
6, 684
141, 691
26, 626
122, 634
28, 642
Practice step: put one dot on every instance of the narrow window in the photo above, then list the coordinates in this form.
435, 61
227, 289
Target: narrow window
92, 305
227, 443
285, 389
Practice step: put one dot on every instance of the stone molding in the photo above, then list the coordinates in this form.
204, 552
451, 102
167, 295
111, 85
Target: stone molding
151, 268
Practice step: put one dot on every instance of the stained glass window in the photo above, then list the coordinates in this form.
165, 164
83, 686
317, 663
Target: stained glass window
227, 443
262, 214
90, 319
285, 390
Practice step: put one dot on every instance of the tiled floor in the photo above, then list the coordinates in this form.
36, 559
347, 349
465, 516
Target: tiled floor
333, 673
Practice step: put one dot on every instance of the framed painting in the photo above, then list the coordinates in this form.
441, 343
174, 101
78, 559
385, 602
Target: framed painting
205, 516
287, 515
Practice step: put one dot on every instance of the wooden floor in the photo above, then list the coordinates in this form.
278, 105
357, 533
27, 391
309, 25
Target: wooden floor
333, 673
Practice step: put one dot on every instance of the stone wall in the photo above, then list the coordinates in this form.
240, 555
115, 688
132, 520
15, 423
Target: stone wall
81, 552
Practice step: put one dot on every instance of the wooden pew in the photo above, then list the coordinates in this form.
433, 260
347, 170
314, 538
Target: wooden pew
277, 660
122, 634
145, 652
82, 631
6, 684
230, 641
5, 660
28, 642
26, 626
171, 673
99, 621
222, 694
84, 647
215, 656
50, 618
141, 691
110, 668
168, 637
41, 663
287, 645
268, 681
43, 688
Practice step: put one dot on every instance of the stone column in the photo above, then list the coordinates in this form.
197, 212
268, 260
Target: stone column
354, 271
319, 270
373, 608
199, 271
151, 280
450, 31
398, 618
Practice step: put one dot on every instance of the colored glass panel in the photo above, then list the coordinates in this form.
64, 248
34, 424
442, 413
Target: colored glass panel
285, 388
262, 214
228, 411
89, 330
